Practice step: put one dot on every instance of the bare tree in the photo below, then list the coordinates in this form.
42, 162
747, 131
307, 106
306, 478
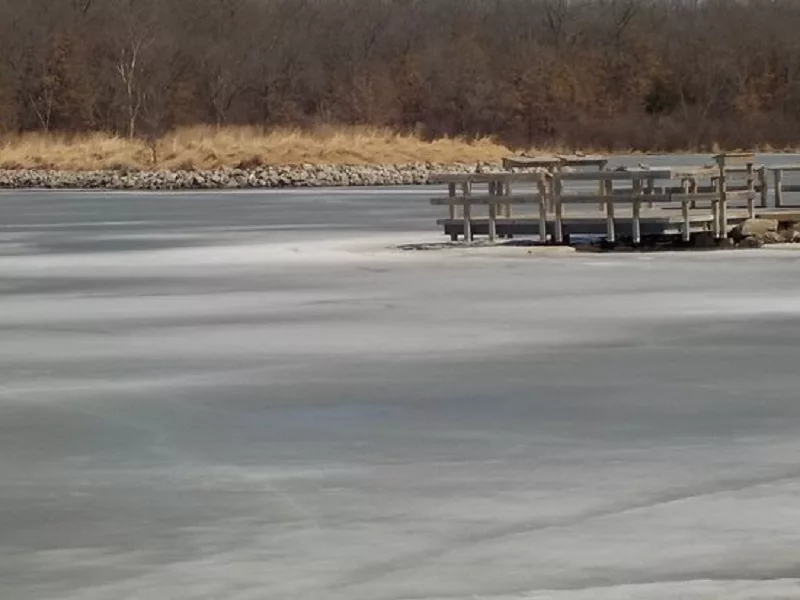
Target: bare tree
129, 69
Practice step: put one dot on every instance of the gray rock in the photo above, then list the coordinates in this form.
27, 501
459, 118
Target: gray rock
751, 242
758, 227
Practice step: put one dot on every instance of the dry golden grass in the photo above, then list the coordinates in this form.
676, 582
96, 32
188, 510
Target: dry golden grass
207, 147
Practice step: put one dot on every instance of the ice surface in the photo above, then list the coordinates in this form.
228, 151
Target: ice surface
254, 396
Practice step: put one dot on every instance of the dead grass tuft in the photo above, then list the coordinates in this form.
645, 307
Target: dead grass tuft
207, 147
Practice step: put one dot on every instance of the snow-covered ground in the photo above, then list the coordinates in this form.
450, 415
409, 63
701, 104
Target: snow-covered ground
246, 396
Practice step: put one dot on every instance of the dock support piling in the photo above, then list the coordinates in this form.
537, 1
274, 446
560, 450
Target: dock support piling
723, 208
601, 189
715, 218
558, 208
543, 219
467, 224
722, 189
687, 223
611, 232
559, 222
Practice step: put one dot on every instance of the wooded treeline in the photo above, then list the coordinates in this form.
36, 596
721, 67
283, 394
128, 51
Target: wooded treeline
646, 74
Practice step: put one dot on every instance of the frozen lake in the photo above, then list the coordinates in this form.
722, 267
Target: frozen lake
252, 395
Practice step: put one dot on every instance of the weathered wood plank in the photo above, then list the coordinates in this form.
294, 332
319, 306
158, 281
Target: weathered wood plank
740, 169
673, 217
614, 175
739, 196
483, 177
629, 197
618, 199
694, 197
578, 160
484, 200
527, 162
726, 160
631, 174
787, 168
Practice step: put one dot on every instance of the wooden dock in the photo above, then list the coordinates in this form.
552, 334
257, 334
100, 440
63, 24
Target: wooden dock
653, 223
556, 204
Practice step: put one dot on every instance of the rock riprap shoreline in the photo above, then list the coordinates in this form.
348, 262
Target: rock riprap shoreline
305, 175
755, 233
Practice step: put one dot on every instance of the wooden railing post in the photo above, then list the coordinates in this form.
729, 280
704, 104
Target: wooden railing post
601, 189
636, 211
762, 183
467, 209
751, 191
451, 191
715, 208
650, 189
722, 184
777, 175
507, 192
558, 209
685, 205
495, 190
543, 199
608, 191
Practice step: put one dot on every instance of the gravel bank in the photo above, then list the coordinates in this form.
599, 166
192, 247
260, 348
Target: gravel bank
306, 175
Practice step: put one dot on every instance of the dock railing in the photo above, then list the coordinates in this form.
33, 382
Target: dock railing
779, 186
498, 200
699, 188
